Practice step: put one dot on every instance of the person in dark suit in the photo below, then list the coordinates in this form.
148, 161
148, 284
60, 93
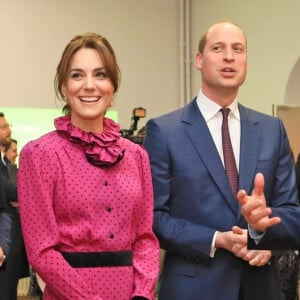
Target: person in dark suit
11, 153
5, 226
5, 139
5, 217
196, 216
16, 266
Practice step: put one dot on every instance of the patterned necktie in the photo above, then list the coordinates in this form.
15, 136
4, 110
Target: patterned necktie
229, 160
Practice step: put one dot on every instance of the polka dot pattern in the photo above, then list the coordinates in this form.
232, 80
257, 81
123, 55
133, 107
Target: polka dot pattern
70, 205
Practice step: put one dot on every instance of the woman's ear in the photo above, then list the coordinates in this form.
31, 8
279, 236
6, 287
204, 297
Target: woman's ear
63, 91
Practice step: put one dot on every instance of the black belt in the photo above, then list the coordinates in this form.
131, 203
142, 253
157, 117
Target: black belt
98, 259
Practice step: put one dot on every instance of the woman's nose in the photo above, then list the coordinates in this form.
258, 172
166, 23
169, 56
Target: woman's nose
90, 82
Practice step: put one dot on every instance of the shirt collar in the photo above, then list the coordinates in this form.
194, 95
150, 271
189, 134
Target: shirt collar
2, 157
210, 108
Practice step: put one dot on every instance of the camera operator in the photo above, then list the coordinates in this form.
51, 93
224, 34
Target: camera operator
137, 113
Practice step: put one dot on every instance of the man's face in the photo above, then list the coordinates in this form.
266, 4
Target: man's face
223, 63
5, 132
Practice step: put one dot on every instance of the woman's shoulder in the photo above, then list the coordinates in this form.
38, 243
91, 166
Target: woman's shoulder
46, 142
134, 148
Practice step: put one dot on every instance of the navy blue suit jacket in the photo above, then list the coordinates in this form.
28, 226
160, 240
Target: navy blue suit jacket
193, 200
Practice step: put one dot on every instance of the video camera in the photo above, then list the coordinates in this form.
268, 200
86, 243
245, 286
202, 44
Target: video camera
137, 113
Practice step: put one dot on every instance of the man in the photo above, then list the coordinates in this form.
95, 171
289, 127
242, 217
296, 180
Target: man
11, 154
16, 265
5, 140
5, 226
5, 218
197, 218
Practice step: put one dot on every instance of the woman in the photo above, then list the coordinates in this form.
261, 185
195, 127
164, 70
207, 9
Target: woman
85, 192
11, 151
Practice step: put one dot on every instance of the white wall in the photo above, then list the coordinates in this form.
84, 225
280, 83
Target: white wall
272, 30
145, 36
143, 33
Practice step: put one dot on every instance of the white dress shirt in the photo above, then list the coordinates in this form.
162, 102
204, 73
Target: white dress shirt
213, 117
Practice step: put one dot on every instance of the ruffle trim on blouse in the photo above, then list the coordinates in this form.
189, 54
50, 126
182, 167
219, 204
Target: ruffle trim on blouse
101, 150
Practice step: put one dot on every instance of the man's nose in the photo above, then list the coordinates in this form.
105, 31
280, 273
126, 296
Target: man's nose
229, 55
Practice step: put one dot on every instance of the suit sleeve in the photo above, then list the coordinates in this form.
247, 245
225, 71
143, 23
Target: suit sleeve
281, 195
174, 233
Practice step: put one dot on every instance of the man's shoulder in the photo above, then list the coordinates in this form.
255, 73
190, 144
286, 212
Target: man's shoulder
255, 114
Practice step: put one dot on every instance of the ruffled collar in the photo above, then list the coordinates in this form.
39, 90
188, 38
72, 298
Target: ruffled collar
103, 149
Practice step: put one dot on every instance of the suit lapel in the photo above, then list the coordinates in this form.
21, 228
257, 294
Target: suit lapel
250, 135
203, 143
3, 169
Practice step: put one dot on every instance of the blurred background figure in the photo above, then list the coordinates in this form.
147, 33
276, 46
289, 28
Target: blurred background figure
5, 227
11, 151
16, 266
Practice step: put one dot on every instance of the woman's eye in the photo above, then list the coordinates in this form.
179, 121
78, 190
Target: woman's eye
101, 74
76, 75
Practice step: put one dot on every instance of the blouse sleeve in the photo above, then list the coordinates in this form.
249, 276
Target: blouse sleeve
36, 185
146, 246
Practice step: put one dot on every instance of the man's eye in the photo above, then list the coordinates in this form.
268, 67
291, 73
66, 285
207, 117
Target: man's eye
238, 49
217, 48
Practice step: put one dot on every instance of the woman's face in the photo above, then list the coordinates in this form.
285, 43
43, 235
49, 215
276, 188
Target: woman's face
12, 152
88, 90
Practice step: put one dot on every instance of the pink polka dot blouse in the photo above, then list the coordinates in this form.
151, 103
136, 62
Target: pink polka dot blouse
85, 192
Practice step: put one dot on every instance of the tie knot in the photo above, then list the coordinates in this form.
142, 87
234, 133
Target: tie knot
225, 112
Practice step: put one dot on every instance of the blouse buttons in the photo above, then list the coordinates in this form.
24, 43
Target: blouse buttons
108, 209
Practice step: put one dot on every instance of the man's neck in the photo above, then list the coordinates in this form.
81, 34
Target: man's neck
223, 97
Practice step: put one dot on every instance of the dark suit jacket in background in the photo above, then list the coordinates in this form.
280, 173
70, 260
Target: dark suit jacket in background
9, 186
5, 220
16, 266
193, 199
